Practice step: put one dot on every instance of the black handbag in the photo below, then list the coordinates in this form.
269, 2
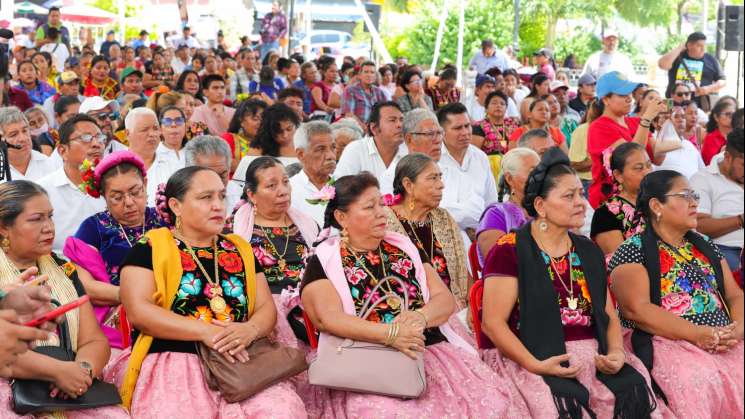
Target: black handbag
32, 396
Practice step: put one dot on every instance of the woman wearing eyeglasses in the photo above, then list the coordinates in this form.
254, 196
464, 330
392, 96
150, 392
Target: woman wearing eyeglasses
677, 296
414, 97
492, 134
719, 125
104, 239
173, 130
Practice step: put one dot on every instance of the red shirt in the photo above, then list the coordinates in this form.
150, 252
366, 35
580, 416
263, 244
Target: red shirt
603, 133
713, 143
19, 98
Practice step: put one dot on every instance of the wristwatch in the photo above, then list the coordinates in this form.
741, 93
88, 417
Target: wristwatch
87, 367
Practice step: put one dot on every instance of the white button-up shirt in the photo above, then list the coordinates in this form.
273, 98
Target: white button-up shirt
71, 206
159, 172
179, 159
720, 197
362, 155
302, 189
38, 167
469, 188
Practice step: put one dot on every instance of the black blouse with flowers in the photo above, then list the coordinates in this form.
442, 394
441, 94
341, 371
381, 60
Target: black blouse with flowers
430, 249
267, 242
389, 260
192, 296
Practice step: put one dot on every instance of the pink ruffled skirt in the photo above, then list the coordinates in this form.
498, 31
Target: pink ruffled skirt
171, 385
459, 385
6, 408
530, 396
698, 384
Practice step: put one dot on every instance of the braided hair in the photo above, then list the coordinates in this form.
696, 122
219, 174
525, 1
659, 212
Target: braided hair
544, 177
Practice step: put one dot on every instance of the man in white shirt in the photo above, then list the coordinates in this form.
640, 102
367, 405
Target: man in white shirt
380, 153
469, 184
25, 163
80, 139
484, 85
214, 153
609, 59
105, 113
143, 132
316, 150
181, 59
720, 210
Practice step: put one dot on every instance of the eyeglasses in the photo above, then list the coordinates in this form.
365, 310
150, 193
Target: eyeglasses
178, 121
690, 196
682, 94
119, 198
431, 134
113, 116
87, 138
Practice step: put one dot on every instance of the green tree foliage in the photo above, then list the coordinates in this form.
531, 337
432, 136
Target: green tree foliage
131, 9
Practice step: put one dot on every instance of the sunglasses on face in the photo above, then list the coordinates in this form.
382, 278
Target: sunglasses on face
682, 94
113, 116
168, 122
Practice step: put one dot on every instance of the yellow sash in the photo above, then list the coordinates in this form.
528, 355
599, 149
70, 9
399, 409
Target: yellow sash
167, 271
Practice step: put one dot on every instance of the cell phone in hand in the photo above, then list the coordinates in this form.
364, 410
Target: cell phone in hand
53, 314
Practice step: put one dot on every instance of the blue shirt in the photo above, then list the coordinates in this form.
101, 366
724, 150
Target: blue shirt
307, 97
483, 63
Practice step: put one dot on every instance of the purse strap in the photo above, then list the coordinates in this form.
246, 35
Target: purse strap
369, 305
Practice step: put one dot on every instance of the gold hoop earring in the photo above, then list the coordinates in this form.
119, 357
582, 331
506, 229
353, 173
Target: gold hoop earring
178, 223
5, 244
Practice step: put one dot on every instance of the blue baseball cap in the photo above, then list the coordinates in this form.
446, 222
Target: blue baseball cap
616, 83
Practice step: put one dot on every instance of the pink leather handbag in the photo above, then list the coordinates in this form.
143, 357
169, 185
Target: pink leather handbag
364, 367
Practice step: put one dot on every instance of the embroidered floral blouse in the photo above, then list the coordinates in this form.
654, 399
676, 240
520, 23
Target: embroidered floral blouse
108, 91
578, 322
390, 260
266, 242
430, 249
112, 240
496, 137
616, 214
688, 282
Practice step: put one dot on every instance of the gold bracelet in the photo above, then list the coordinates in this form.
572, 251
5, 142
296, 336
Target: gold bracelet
424, 316
389, 335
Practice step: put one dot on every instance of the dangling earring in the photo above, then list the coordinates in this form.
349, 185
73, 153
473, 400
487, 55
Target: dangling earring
620, 187
5, 244
344, 236
412, 205
178, 223
659, 216
542, 225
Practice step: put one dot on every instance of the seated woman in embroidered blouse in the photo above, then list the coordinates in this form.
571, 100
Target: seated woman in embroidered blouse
280, 237
189, 285
27, 232
504, 216
492, 134
414, 212
616, 219
683, 309
458, 383
546, 309
104, 239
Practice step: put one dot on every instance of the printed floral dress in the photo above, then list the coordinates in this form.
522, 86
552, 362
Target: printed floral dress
577, 320
268, 244
688, 282
363, 271
430, 249
616, 214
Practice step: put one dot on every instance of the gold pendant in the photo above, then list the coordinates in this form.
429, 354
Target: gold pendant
393, 301
282, 264
572, 303
217, 304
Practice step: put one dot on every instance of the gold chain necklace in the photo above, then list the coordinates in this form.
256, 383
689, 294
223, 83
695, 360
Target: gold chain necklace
124, 233
217, 302
281, 262
431, 253
392, 303
572, 301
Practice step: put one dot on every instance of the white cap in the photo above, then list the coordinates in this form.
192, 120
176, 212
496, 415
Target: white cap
557, 84
610, 32
96, 103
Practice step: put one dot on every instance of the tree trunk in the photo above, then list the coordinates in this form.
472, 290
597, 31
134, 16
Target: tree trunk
680, 8
552, 21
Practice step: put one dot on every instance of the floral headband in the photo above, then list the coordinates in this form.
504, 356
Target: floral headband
92, 172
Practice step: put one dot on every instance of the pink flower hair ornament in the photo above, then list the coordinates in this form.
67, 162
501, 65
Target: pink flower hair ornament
326, 194
93, 171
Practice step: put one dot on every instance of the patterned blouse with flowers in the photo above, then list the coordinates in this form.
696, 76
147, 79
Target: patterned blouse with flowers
430, 249
112, 240
363, 273
196, 128
616, 214
688, 281
496, 137
266, 242
578, 322
193, 296
109, 90
440, 99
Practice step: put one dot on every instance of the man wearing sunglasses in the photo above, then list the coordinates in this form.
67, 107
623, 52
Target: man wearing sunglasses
720, 211
105, 113
585, 93
682, 96
80, 140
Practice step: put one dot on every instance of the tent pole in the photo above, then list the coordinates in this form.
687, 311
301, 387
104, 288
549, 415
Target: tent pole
122, 20
461, 28
440, 33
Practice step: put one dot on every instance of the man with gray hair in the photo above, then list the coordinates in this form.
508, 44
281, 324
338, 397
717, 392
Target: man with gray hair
214, 153
24, 163
316, 150
537, 140
422, 133
143, 132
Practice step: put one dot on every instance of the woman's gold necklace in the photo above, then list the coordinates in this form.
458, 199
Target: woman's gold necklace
281, 262
217, 302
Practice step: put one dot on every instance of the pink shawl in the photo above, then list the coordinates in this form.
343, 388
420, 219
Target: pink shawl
329, 255
243, 224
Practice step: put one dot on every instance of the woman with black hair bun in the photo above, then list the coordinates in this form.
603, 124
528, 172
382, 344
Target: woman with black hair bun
680, 303
616, 219
548, 313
